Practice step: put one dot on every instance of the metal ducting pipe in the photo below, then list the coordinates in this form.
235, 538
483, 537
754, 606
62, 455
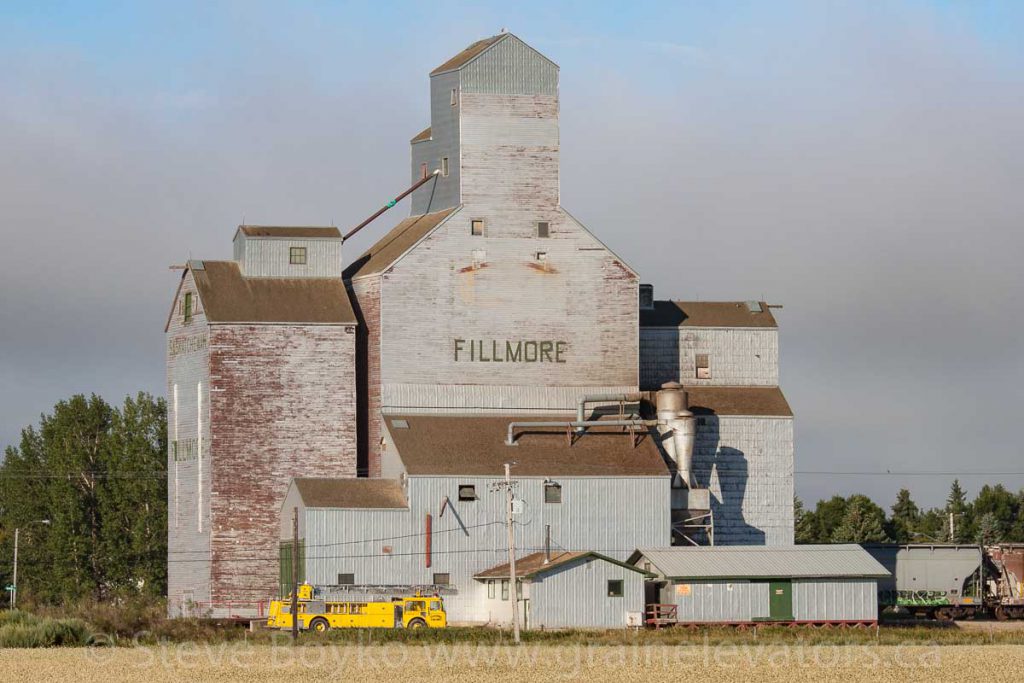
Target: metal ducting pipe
677, 427
581, 408
580, 424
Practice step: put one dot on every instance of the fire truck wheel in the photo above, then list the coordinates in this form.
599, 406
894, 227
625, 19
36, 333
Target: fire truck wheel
417, 623
319, 625
1000, 613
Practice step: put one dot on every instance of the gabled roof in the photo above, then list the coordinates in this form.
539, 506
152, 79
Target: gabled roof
422, 135
393, 245
228, 297
294, 232
533, 565
707, 314
351, 493
468, 54
759, 562
754, 401
454, 445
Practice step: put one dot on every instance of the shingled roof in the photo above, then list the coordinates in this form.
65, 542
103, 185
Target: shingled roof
228, 297
293, 232
533, 564
467, 55
399, 240
475, 446
351, 493
707, 314
753, 401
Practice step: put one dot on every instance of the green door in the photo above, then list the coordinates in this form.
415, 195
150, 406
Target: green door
780, 600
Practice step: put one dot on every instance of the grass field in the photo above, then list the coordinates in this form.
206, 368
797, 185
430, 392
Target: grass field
531, 662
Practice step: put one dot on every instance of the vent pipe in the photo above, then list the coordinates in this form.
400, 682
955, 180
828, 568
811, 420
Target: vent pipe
581, 407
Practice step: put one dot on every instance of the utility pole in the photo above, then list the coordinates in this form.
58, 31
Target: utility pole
511, 552
295, 576
14, 583
14, 577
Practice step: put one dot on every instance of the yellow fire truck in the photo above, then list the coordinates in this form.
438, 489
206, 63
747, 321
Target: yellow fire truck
318, 614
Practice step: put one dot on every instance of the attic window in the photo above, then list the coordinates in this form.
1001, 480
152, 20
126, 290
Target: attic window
297, 256
543, 229
455, 97
476, 227
444, 166
467, 492
703, 365
187, 307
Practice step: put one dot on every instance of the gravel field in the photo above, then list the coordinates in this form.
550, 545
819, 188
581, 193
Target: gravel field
746, 663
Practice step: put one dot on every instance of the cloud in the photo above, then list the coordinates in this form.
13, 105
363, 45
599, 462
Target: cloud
862, 166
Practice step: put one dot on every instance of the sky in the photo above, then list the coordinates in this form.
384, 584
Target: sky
861, 164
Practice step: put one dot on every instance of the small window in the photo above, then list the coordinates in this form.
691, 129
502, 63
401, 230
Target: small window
423, 171
467, 492
490, 589
703, 365
188, 307
346, 579
615, 588
552, 493
444, 166
442, 579
543, 229
297, 256
476, 227
504, 589
455, 97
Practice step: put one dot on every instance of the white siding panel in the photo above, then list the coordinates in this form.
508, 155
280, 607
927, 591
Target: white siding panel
576, 595
835, 600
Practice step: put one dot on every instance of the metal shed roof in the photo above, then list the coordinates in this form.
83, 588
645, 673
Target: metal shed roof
760, 562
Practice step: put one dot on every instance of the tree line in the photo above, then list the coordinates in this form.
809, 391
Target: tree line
996, 515
88, 489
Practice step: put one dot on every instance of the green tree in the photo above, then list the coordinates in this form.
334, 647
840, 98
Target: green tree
863, 522
906, 517
828, 515
989, 530
1001, 505
98, 474
957, 506
133, 500
804, 523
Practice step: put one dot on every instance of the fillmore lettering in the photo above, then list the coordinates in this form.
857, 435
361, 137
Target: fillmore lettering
504, 351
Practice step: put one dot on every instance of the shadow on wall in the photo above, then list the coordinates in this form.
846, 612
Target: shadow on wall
662, 362
730, 464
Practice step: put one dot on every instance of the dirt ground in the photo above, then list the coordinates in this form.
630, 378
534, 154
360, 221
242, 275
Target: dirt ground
726, 663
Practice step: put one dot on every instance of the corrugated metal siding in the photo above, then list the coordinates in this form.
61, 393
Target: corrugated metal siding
609, 515
844, 560
737, 357
747, 463
585, 298
720, 601
482, 399
188, 484
576, 595
269, 257
442, 193
835, 600
511, 67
